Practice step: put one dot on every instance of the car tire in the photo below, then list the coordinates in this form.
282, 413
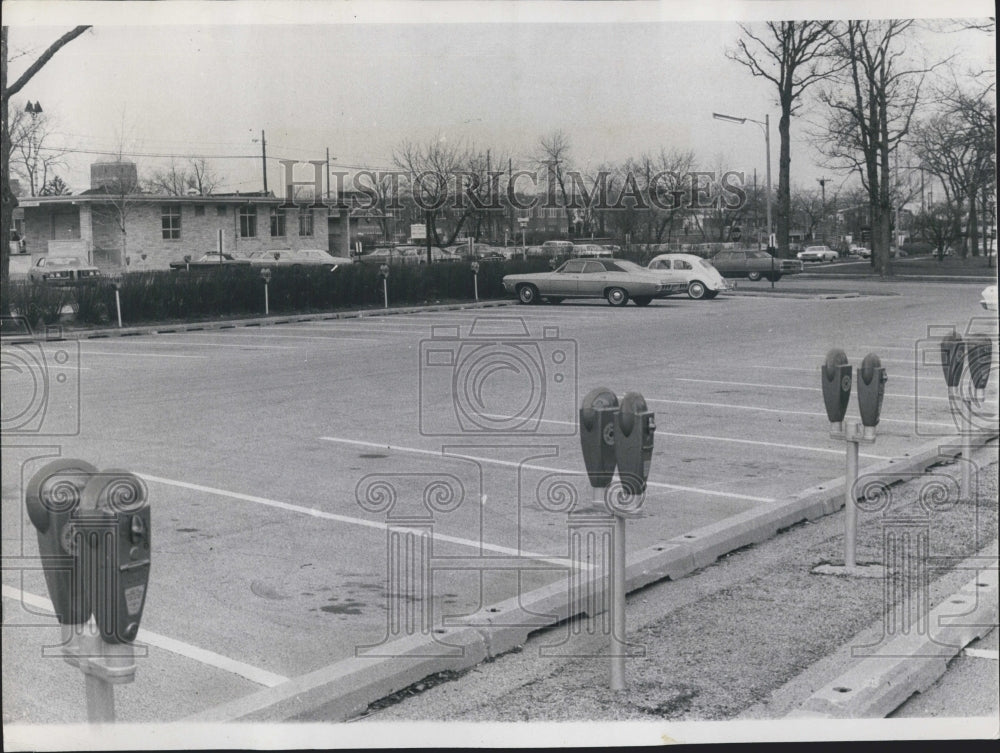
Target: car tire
754, 276
617, 296
527, 294
710, 294
696, 289
642, 300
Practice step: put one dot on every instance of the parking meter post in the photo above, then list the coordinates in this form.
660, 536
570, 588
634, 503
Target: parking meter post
850, 504
267, 303
383, 272
618, 606
475, 278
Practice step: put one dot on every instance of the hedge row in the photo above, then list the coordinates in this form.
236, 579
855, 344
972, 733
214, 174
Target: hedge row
205, 294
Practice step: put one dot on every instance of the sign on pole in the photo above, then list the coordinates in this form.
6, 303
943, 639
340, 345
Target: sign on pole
418, 231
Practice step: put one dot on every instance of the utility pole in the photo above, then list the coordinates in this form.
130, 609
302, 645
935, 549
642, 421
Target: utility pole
822, 206
328, 175
263, 158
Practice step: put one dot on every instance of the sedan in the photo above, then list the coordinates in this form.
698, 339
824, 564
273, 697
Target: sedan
213, 259
754, 264
700, 278
63, 270
304, 257
613, 280
817, 253
988, 299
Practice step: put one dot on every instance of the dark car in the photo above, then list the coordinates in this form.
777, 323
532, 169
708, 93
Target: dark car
63, 270
754, 264
214, 259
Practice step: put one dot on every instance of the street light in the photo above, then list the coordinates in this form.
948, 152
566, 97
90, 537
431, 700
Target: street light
766, 128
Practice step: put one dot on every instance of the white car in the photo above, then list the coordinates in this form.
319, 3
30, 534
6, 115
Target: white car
989, 298
861, 251
701, 278
303, 257
817, 253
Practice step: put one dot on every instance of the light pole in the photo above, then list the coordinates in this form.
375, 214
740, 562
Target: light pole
766, 128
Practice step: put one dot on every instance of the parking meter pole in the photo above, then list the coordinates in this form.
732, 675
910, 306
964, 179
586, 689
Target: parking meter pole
118, 307
618, 606
385, 291
100, 700
475, 286
267, 305
850, 504
967, 451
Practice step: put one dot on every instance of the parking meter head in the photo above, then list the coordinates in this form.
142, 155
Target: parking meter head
871, 389
116, 522
383, 270
635, 426
836, 376
952, 358
597, 435
265, 274
979, 353
475, 267
52, 497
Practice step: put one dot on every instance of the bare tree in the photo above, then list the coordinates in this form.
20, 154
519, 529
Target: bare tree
7, 199
179, 180
32, 157
871, 111
792, 55
120, 193
554, 156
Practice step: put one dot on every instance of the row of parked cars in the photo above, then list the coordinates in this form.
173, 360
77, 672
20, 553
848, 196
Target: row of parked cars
620, 281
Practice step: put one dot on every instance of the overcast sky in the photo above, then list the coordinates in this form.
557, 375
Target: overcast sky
358, 78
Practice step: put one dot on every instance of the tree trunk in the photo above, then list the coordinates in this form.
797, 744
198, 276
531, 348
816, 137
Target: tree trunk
784, 174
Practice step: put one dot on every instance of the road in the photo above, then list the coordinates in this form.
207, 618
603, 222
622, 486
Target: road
268, 453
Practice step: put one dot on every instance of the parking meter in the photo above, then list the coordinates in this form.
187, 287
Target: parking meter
952, 359
979, 352
52, 497
597, 435
115, 521
871, 389
475, 267
836, 375
265, 275
634, 428
383, 271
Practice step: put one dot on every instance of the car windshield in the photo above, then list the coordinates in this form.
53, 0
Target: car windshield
759, 254
628, 266
59, 261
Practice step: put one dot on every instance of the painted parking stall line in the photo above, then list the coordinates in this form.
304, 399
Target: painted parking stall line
200, 655
322, 514
533, 467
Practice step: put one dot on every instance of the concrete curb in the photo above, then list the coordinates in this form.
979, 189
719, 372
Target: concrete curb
910, 663
345, 688
263, 321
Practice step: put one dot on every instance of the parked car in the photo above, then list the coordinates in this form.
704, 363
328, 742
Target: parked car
699, 277
213, 259
754, 264
864, 253
63, 270
557, 248
817, 253
611, 279
304, 257
988, 300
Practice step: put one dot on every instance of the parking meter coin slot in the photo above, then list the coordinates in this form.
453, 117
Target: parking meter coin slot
52, 497
871, 389
634, 430
597, 435
979, 353
952, 359
119, 544
836, 376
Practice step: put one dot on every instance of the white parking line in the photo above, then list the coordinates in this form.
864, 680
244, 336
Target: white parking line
139, 355
982, 653
313, 512
209, 658
511, 464
792, 387
785, 411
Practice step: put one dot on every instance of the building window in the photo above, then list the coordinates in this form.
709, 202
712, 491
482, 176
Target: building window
171, 221
305, 221
277, 222
221, 211
199, 210
248, 222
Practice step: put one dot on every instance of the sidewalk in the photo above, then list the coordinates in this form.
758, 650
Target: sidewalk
752, 637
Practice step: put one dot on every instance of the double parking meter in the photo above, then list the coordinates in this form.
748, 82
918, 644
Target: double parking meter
952, 359
94, 540
634, 428
871, 390
836, 377
53, 497
597, 435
